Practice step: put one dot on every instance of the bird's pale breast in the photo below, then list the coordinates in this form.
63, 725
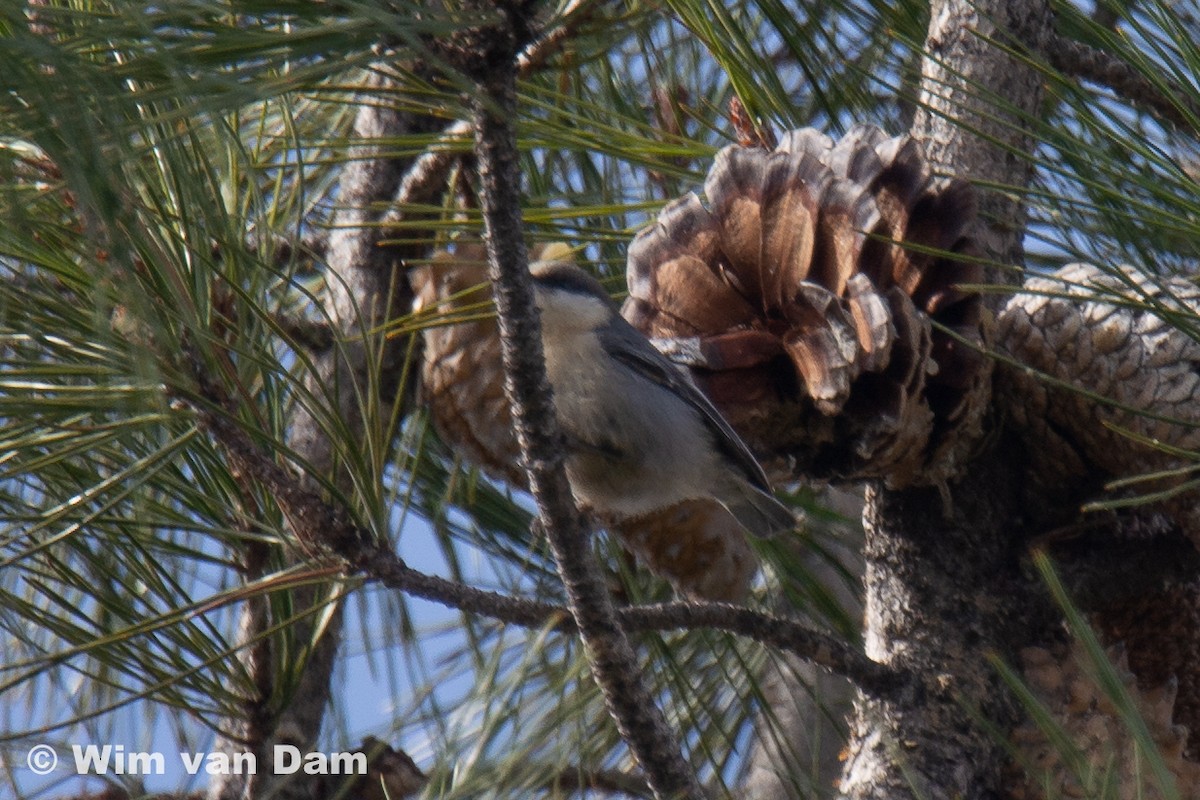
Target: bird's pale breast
635, 446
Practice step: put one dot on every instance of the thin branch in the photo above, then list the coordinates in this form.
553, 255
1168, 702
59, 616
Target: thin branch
546, 43
1087, 63
384, 566
606, 781
615, 667
428, 172
825, 651
326, 534
323, 531
820, 648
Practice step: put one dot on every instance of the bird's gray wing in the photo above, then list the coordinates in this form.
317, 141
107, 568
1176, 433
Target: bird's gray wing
625, 344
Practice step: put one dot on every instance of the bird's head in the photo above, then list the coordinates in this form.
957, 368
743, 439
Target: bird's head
570, 299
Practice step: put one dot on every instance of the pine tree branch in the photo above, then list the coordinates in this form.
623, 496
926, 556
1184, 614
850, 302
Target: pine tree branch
1087, 63
326, 534
360, 296
429, 171
944, 588
614, 665
820, 648
825, 651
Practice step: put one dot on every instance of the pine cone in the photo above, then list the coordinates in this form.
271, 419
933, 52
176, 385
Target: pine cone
807, 288
1109, 763
462, 376
1160, 628
1091, 329
697, 546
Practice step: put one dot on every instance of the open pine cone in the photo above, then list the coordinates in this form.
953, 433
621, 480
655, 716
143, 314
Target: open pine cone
805, 293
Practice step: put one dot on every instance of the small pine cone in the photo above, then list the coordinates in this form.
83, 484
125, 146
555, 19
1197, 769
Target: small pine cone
1091, 329
462, 375
697, 545
806, 291
1106, 759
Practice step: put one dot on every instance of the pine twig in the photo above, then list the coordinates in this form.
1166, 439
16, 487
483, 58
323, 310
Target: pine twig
326, 534
1087, 63
828, 652
429, 171
614, 664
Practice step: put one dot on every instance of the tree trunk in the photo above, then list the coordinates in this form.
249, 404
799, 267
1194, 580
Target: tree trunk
944, 588
943, 594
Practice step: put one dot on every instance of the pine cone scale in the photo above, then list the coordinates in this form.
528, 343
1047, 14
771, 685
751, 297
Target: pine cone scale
814, 238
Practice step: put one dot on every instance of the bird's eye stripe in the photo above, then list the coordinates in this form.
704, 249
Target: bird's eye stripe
565, 282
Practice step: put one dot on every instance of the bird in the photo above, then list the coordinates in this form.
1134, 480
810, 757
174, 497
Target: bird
640, 436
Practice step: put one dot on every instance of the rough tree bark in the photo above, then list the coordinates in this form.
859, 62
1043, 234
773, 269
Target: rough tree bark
944, 587
610, 654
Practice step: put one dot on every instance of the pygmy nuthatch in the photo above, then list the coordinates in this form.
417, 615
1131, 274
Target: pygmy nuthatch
640, 436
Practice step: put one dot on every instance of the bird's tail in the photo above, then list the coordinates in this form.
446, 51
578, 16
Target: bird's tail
759, 512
